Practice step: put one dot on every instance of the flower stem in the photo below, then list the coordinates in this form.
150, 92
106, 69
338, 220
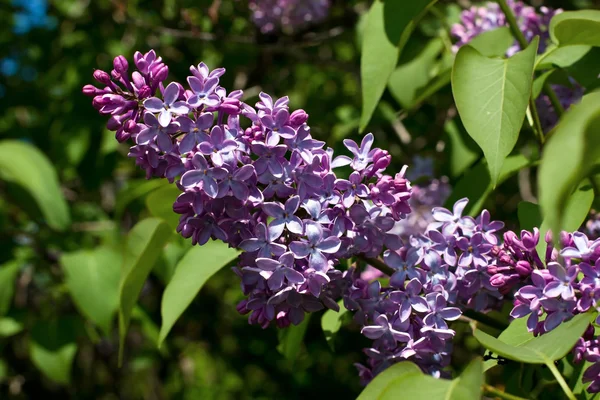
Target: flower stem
485, 319
516, 31
377, 263
489, 389
561, 380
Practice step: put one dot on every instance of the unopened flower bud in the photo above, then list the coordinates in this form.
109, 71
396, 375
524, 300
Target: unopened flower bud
122, 135
297, 118
102, 77
523, 268
160, 74
90, 90
121, 65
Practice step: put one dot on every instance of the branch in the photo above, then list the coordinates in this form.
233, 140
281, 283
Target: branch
498, 393
377, 263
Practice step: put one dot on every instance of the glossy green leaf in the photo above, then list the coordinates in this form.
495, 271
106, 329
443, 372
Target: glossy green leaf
576, 28
530, 215
92, 278
405, 380
160, 204
491, 96
388, 25
292, 338
476, 184
28, 167
493, 43
331, 322
191, 273
408, 78
578, 135
8, 275
536, 350
143, 247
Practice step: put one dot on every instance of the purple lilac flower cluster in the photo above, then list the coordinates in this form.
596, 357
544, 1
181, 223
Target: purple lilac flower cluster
435, 273
287, 15
568, 283
477, 20
269, 189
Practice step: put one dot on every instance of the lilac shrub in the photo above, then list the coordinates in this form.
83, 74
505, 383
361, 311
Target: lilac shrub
288, 15
479, 19
255, 178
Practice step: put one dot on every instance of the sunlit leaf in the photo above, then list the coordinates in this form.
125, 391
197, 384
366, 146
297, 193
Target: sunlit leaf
191, 273
491, 96
28, 167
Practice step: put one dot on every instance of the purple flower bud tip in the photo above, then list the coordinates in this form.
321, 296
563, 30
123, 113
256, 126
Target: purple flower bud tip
90, 90
298, 117
102, 77
523, 268
121, 65
122, 135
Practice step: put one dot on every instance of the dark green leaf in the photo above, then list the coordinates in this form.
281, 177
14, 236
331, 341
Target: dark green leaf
388, 25
191, 273
28, 167
561, 57
491, 97
144, 244
577, 135
529, 215
8, 275
92, 278
462, 149
477, 186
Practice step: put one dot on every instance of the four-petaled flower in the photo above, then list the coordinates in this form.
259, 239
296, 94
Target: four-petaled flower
439, 313
169, 106
203, 174
318, 244
284, 216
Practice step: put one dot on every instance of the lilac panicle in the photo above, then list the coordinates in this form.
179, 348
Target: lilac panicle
255, 178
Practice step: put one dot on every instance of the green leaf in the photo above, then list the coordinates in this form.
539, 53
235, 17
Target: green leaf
291, 339
8, 275
28, 167
10, 326
52, 348
476, 184
405, 380
408, 78
530, 215
536, 350
561, 57
577, 135
462, 149
576, 28
144, 244
135, 191
191, 273
388, 26
160, 204
331, 322
92, 278
493, 43
491, 97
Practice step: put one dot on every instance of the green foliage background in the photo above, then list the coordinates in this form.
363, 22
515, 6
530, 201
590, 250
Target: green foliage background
211, 353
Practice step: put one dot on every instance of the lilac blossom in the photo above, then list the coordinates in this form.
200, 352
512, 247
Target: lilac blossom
287, 15
169, 106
